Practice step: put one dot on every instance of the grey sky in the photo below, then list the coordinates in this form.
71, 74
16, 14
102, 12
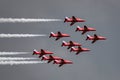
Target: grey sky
101, 63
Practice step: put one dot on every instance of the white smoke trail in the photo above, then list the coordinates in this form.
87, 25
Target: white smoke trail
13, 53
25, 20
16, 58
20, 62
20, 35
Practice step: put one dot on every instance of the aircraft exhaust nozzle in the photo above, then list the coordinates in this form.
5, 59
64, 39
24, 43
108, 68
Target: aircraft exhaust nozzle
34, 51
65, 19
54, 62
71, 49
42, 59
88, 36
76, 29
63, 43
51, 34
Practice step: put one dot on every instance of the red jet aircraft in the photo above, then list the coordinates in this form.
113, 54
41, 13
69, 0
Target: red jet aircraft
73, 20
85, 29
62, 62
58, 35
70, 44
79, 49
41, 52
50, 58
95, 38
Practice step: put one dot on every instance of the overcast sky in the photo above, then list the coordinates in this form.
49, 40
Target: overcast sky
101, 63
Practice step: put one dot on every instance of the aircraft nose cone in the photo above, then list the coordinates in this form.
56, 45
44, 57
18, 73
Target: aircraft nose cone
71, 62
83, 20
105, 38
51, 52
94, 29
68, 35
88, 49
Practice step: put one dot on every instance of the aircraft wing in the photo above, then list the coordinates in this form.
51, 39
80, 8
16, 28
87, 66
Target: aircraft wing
85, 27
49, 61
59, 33
95, 36
42, 51
61, 65
77, 52
94, 41
41, 55
72, 23
84, 32
71, 42
73, 17
51, 56
69, 47
57, 38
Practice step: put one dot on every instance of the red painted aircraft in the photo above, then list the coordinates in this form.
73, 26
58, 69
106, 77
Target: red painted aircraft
41, 52
79, 49
70, 44
50, 58
62, 62
73, 20
85, 29
95, 38
58, 35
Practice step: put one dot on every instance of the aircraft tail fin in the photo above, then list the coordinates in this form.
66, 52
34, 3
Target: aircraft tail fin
88, 36
34, 51
44, 57
42, 51
54, 62
66, 18
64, 43
51, 34
78, 28
50, 56
72, 49
40, 55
